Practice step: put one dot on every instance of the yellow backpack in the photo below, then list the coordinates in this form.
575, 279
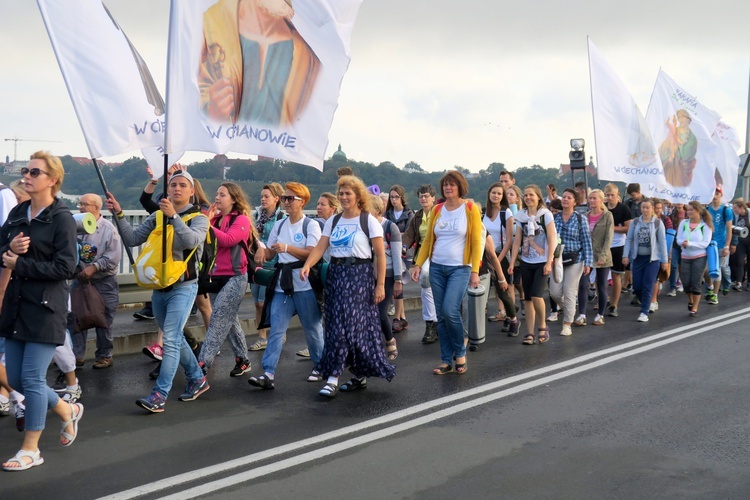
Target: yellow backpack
148, 268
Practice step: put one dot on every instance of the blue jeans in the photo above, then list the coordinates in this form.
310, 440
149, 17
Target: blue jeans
449, 285
27, 364
644, 277
171, 310
282, 309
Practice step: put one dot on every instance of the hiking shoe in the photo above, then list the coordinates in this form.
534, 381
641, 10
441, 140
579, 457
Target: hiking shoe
4, 408
643, 318
552, 316
259, 345
612, 312
194, 389
103, 363
154, 403
635, 301
241, 367
70, 395
513, 330
397, 326
725, 291
154, 351
580, 320
506, 325
263, 382
19, 411
598, 320
430, 332
712, 298
145, 313
304, 353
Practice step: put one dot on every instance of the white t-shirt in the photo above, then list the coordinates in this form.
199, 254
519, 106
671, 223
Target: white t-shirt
348, 239
450, 231
294, 236
496, 229
7, 202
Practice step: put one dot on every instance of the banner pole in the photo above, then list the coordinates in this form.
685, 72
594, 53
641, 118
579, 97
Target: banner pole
128, 251
164, 219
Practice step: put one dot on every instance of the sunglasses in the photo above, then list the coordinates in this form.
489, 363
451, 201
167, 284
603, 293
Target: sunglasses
33, 172
289, 199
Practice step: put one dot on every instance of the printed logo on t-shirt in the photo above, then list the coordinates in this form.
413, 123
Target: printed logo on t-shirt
448, 225
298, 237
343, 235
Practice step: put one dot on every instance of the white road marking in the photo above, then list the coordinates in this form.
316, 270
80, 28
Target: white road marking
631, 348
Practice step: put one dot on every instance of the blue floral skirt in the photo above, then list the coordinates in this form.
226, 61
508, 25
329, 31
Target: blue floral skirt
353, 337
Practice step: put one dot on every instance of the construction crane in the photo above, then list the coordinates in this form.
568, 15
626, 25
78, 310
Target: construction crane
17, 139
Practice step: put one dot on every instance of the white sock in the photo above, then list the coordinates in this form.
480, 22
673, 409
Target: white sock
269, 376
16, 396
72, 387
3, 399
333, 380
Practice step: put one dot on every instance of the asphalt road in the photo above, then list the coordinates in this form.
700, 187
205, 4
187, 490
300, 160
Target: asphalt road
628, 410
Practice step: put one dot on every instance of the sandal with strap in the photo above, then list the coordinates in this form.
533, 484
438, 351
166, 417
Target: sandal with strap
35, 456
461, 368
315, 376
355, 384
329, 390
543, 335
528, 339
443, 369
75, 417
391, 350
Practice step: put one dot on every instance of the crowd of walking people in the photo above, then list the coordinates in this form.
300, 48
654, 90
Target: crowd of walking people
340, 273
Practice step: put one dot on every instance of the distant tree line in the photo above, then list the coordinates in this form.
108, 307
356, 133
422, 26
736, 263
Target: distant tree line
126, 181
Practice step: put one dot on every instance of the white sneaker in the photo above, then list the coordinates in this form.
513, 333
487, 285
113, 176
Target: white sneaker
598, 320
679, 287
653, 307
392, 310
643, 318
672, 293
580, 320
552, 316
566, 331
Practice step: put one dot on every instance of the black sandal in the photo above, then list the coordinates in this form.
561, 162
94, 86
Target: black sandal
528, 339
354, 384
442, 370
391, 350
329, 390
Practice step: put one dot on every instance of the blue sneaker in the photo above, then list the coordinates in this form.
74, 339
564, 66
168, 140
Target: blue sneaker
153, 403
194, 389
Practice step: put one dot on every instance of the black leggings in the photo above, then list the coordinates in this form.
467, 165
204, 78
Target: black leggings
385, 322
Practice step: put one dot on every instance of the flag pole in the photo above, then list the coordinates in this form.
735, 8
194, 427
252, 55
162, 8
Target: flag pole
98, 169
593, 115
164, 219
746, 180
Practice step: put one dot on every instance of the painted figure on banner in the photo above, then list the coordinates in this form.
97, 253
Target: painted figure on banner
678, 150
255, 66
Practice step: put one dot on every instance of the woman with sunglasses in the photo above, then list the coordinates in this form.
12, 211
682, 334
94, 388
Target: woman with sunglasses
38, 244
291, 239
266, 215
232, 228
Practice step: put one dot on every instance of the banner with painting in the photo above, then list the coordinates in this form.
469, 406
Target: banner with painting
113, 93
257, 76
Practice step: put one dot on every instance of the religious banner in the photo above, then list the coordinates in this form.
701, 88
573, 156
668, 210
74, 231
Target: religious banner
624, 148
727, 159
114, 96
682, 129
257, 76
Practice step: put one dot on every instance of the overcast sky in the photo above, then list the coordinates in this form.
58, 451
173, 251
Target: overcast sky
439, 82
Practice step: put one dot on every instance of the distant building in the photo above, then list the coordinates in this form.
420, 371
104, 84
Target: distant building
339, 154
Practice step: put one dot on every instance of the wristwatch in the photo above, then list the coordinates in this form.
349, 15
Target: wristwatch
174, 216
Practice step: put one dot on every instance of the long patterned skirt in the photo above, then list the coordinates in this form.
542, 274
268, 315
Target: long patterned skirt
352, 326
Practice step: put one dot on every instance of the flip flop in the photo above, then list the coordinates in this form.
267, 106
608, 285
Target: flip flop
35, 456
75, 418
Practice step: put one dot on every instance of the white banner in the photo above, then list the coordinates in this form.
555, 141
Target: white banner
727, 159
114, 96
257, 76
624, 148
682, 129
